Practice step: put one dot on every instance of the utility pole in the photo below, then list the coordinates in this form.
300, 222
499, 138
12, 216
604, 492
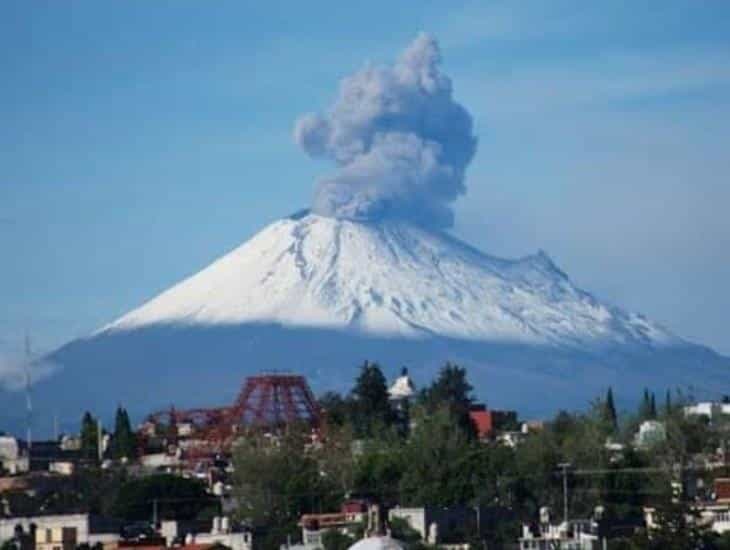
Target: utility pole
564, 467
28, 401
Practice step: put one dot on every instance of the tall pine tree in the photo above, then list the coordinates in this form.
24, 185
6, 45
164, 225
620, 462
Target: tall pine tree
668, 403
645, 407
610, 411
452, 390
124, 442
652, 407
89, 437
370, 404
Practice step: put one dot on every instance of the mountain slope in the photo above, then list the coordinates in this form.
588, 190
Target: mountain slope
319, 295
392, 279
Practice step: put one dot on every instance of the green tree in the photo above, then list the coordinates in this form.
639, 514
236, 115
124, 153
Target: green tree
278, 480
89, 436
645, 407
335, 458
177, 498
379, 468
610, 411
124, 441
332, 539
439, 462
371, 409
401, 530
652, 407
336, 408
677, 528
452, 390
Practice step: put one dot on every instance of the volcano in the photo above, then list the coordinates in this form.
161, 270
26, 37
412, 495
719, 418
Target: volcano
319, 295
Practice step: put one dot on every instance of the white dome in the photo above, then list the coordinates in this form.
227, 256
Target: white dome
402, 388
377, 543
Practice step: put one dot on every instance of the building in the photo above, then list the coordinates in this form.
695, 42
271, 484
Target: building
511, 438
51, 456
403, 389
157, 545
438, 524
721, 490
377, 542
576, 534
351, 515
12, 458
651, 432
713, 515
222, 531
88, 529
711, 409
573, 535
56, 538
489, 422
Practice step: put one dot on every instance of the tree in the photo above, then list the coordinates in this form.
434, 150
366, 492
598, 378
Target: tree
89, 436
379, 468
332, 539
401, 530
278, 480
677, 527
439, 462
452, 390
645, 407
124, 441
610, 411
370, 404
668, 403
177, 498
652, 407
336, 408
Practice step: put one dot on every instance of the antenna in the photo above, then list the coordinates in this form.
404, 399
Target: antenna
28, 401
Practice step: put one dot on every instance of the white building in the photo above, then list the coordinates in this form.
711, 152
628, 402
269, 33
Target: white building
88, 531
58, 538
403, 388
650, 433
573, 535
714, 515
710, 409
435, 523
12, 458
221, 532
717, 516
377, 543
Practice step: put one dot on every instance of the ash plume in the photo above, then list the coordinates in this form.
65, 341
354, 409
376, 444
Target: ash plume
400, 142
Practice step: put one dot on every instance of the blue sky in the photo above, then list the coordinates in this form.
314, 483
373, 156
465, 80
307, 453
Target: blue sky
140, 140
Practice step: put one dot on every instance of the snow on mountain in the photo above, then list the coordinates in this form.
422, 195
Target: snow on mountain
318, 296
392, 279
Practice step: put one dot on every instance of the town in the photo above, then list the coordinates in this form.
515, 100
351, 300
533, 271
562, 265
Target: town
386, 465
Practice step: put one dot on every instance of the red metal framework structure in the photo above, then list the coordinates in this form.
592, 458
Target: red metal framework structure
268, 402
275, 401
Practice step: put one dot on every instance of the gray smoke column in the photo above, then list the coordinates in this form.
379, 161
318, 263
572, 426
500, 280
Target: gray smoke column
400, 142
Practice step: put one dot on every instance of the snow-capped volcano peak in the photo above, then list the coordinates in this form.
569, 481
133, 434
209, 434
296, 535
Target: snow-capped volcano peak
318, 296
391, 278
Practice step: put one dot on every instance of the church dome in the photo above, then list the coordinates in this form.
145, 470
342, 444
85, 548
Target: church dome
377, 543
403, 387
